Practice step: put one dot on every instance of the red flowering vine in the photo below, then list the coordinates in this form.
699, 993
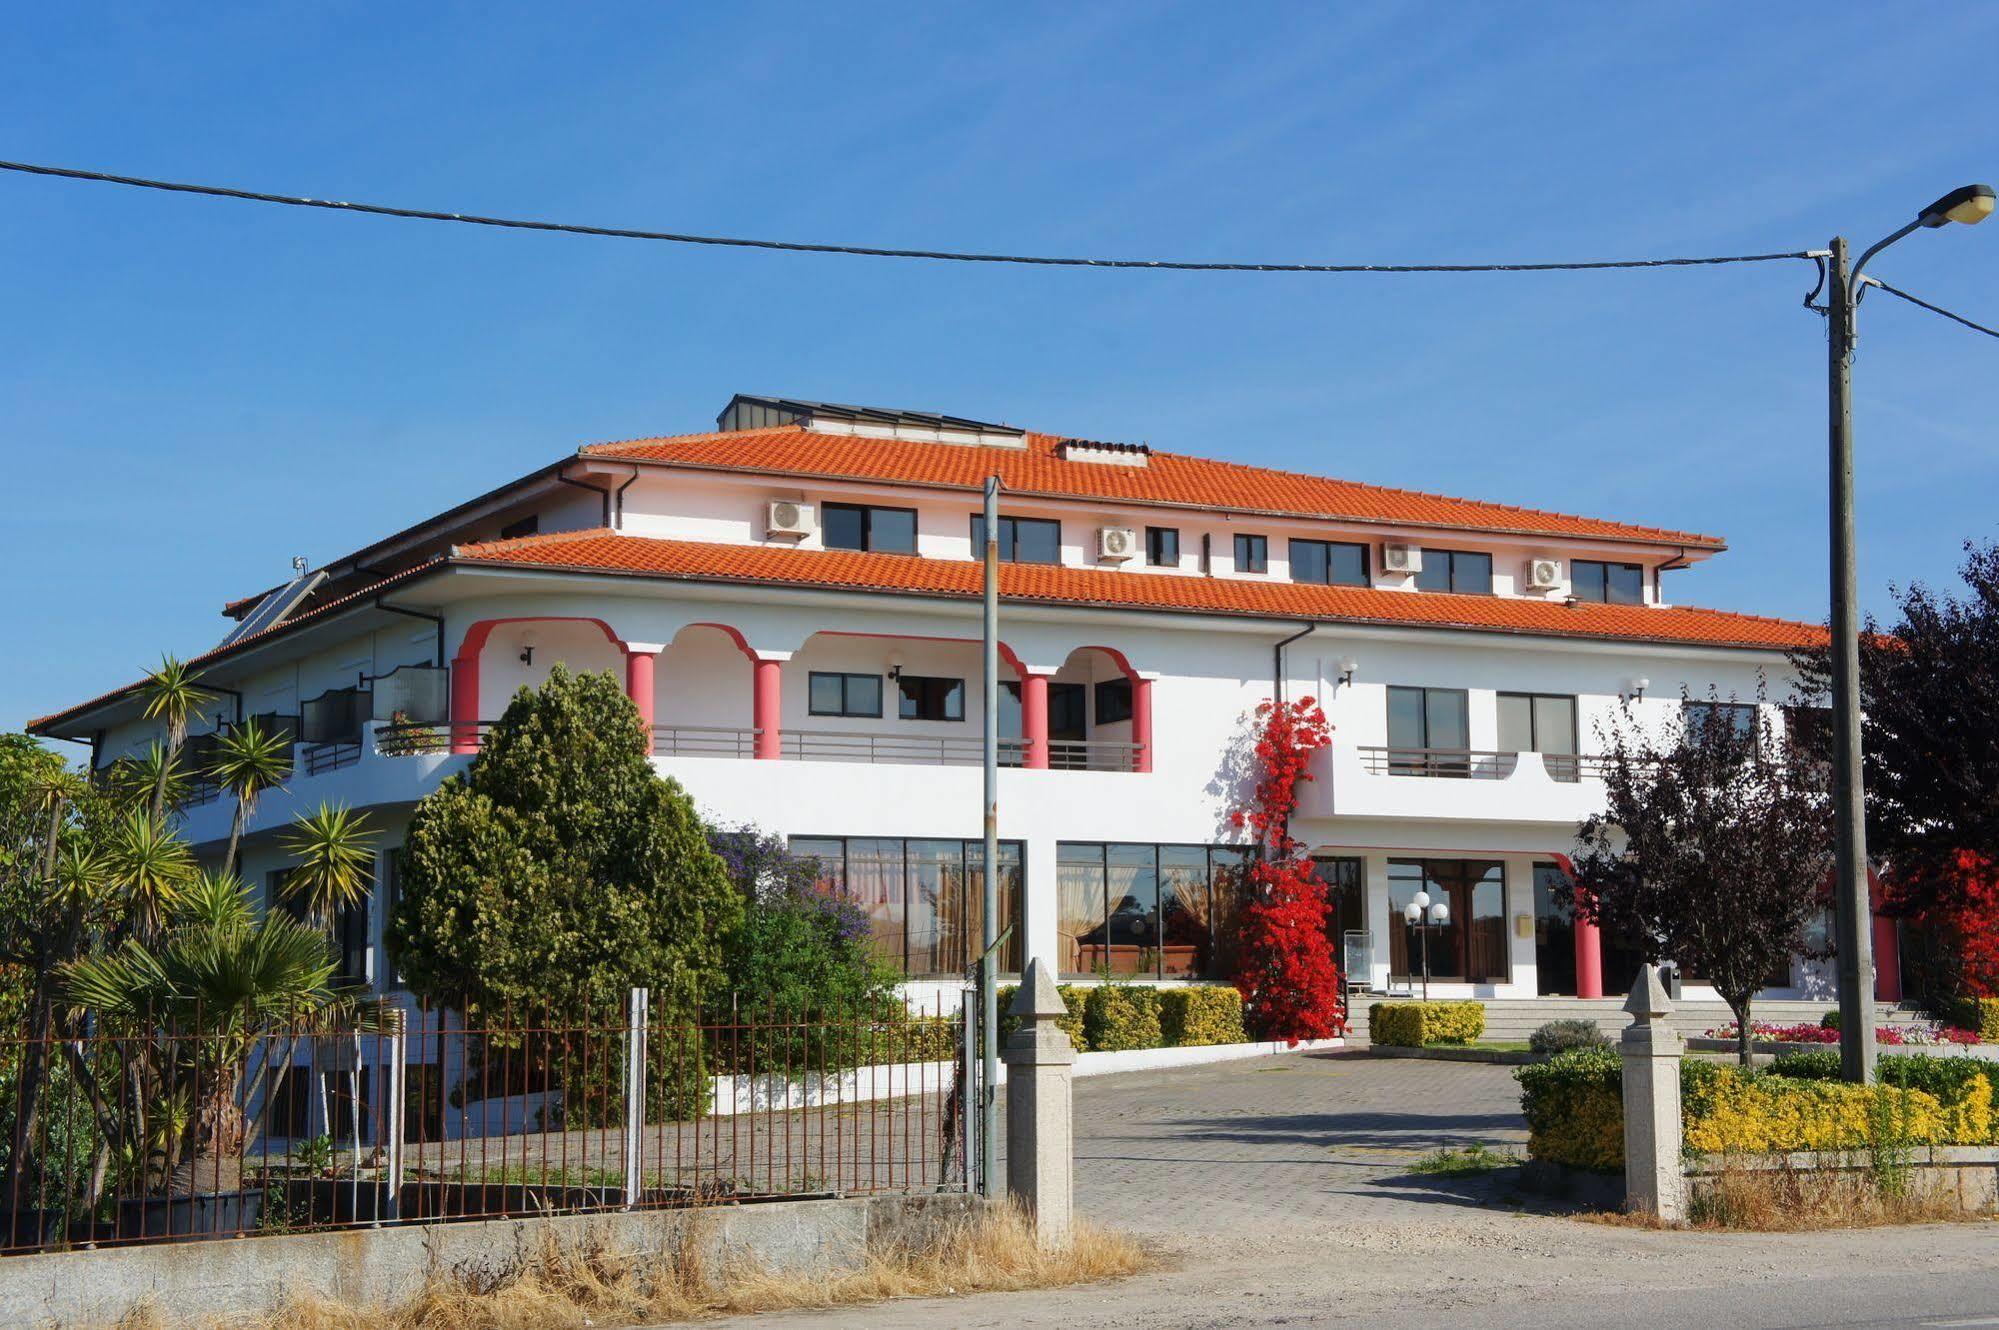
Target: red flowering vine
1289, 981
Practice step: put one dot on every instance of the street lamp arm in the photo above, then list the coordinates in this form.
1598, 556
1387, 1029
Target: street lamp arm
1853, 280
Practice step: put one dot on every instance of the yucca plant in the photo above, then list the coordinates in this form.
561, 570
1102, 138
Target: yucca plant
248, 760
173, 697
335, 849
150, 863
151, 780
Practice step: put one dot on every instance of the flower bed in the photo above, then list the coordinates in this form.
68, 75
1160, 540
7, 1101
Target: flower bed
1574, 1106
1917, 1034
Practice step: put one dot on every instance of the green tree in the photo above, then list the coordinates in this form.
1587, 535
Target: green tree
248, 760
172, 696
335, 849
560, 870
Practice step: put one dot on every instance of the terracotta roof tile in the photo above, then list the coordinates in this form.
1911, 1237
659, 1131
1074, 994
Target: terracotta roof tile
606, 551
1167, 478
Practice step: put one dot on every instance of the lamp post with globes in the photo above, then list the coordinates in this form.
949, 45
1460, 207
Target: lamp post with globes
1423, 915
1968, 205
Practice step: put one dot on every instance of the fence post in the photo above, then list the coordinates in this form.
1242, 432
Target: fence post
635, 1093
970, 1063
394, 1046
1654, 1179
1040, 1156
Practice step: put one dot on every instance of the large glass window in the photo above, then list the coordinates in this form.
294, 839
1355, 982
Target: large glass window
1554, 931
1113, 701
1162, 546
844, 694
1147, 911
1344, 880
1330, 562
1543, 723
924, 899
854, 526
1612, 583
927, 698
1740, 716
1252, 554
1429, 731
1021, 539
1471, 947
1464, 571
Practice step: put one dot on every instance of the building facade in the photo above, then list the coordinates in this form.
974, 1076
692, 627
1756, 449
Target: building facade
792, 602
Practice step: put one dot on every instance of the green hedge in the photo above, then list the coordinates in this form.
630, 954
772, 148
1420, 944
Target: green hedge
1982, 1015
1415, 1024
1070, 1022
1190, 1017
1121, 1016
1574, 1106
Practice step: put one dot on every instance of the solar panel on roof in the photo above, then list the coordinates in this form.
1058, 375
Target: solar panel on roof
273, 608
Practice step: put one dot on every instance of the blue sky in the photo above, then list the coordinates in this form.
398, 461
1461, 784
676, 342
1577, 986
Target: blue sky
193, 391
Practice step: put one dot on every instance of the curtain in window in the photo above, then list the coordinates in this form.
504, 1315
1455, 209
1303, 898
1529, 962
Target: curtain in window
1131, 930
874, 880
1185, 911
1079, 908
936, 906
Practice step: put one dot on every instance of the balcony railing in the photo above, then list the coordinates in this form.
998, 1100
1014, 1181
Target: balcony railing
937, 750
703, 741
1092, 755
320, 758
1451, 763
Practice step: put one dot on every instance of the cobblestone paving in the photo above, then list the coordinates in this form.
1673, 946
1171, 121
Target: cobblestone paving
1276, 1142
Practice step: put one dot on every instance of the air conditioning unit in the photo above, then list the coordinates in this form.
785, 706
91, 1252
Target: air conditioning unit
786, 517
1402, 558
1544, 574
1115, 544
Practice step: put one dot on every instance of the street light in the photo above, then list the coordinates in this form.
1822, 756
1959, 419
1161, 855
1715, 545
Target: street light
1422, 916
1968, 205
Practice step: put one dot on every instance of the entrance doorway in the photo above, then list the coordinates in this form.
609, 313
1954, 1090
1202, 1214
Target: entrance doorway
1554, 932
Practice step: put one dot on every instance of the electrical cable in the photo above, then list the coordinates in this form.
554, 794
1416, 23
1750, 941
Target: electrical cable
876, 251
1924, 304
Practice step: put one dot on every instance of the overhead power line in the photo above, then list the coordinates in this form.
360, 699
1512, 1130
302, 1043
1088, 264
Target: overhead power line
876, 251
1934, 309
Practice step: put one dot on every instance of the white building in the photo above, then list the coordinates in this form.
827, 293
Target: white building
793, 603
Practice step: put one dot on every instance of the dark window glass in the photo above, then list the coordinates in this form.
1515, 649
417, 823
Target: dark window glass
1162, 546
931, 698
844, 694
1330, 562
1612, 583
1021, 539
1068, 716
1148, 911
923, 899
1463, 571
1554, 931
1429, 731
1346, 903
524, 526
853, 526
1252, 554
1543, 723
1471, 946
1113, 701
1741, 716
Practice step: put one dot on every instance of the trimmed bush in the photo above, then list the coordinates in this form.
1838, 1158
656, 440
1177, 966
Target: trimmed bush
1121, 1016
1415, 1024
1574, 1106
1562, 1036
1190, 1017
1070, 1022
1831, 1019
1982, 1015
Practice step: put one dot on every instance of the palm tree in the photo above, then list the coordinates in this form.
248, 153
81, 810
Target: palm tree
151, 864
335, 849
171, 696
151, 780
247, 762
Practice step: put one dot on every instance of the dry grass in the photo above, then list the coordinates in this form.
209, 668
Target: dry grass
567, 1289
1794, 1200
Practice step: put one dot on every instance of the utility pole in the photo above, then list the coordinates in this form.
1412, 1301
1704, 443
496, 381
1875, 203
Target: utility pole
989, 915
1855, 934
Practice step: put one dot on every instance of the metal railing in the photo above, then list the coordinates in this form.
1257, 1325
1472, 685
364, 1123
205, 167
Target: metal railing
412, 1116
1092, 755
1451, 763
949, 750
319, 758
416, 738
703, 741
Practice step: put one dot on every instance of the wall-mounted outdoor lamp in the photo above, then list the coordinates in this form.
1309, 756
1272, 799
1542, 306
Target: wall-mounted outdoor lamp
527, 655
1347, 667
895, 665
1637, 687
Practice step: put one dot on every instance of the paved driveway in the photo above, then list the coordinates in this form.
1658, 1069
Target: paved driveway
1274, 1143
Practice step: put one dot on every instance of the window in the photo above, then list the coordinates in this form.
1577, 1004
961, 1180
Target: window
1471, 947
1543, 723
1252, 554
1067, 706
525, 526
1611, 583
844, 694
1462, 571
1113, 701
930, 698
1021, 539
1346, 906
1328, 562
1162, 546
1696, 716
1147, 911
1554, 930
1429, 732
923, 899
853, 526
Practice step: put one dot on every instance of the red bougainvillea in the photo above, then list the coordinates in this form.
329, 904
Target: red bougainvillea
1960, 909
1289, 981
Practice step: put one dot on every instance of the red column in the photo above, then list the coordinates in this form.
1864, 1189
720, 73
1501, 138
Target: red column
465, 704
1887, 961
1034, 719
1589, 956
766, 700
638, 685
1141, 722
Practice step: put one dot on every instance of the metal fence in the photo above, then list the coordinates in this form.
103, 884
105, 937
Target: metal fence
149, 1131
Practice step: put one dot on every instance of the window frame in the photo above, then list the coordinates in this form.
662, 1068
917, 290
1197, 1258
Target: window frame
903, 680
846, 678
1456, 880
1561, 765
1223, 865
1427, 758
1009, 538
1604, 567
1156, 538
867, 512
1111, 688
1260, 563
1450, 558
1013, 855
1327, 547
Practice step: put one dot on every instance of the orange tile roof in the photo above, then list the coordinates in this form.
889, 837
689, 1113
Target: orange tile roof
1168, 478
606, 551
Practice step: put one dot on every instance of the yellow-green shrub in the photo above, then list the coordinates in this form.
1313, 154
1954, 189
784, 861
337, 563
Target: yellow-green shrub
1070, 1022
1120, 1016
1414, 1024
1574, 1106
1984, 1013
1205, 1015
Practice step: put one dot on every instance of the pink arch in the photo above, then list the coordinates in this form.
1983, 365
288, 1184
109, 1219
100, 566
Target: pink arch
1141, 705
1006, 652
476, 635
465, 671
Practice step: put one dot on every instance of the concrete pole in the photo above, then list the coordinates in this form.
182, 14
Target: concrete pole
1654, 1180
989, 930
1040, 1128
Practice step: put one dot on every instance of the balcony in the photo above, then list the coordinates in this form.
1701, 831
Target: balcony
1452, 784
